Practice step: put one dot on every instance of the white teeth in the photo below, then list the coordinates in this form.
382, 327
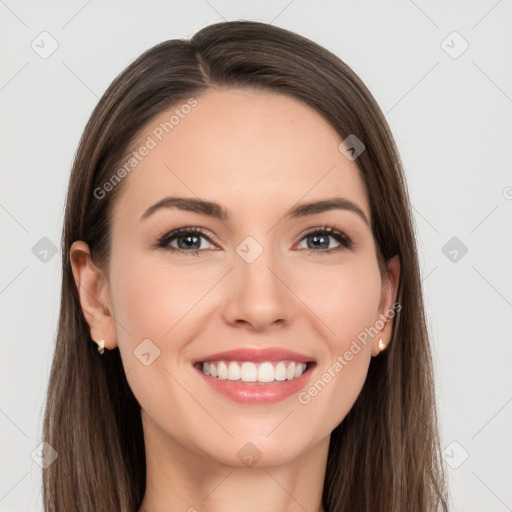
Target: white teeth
280, 371
290, 372
266, 372
222, 370
233, 371
250, 372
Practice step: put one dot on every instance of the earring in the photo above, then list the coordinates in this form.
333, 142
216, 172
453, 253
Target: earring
101, 346
382, 345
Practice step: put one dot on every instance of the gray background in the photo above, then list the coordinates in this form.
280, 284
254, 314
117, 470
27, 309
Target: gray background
450, 113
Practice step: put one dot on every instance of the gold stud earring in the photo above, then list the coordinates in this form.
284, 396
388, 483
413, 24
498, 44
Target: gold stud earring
101, 346
382, 345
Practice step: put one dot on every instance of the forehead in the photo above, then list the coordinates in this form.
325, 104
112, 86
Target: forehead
242, 148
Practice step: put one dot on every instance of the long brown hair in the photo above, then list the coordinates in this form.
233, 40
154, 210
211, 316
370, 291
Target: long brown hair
385, 454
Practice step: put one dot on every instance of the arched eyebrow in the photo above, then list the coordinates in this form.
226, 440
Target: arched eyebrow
216, 211
335, 203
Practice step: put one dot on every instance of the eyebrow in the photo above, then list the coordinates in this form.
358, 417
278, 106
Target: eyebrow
216, 211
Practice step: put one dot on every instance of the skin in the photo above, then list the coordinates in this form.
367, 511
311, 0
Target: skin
257, 154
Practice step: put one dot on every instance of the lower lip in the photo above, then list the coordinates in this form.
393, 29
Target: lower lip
258, 393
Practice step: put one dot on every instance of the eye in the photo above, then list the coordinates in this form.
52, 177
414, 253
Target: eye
185, 241
318, 239
188, 241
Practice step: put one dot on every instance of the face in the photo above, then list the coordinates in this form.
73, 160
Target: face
261, 277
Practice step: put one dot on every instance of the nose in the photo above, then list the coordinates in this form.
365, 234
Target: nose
257, 296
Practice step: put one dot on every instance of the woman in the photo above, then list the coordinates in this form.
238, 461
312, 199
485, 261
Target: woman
242, 323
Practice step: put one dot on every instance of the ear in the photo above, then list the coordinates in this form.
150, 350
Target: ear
92, 286
384, 323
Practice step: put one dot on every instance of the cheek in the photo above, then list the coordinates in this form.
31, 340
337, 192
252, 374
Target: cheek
150, 300
345, 298
153, 302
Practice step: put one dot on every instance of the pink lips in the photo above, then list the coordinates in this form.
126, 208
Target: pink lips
257, 392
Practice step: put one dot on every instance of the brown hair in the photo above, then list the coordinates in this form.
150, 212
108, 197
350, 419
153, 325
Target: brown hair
385, 454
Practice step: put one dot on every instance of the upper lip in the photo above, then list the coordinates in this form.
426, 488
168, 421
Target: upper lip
256, 355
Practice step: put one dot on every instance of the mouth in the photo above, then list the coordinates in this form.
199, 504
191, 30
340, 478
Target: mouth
255, 383
255, 373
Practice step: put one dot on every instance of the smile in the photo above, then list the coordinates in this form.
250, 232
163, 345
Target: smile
248, 371
263, 386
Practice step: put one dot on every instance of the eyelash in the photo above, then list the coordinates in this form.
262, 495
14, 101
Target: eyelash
165, 238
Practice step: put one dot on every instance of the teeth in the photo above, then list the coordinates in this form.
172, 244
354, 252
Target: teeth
248, 372
290, 371
233, 371
251, 372
280, 371
222, 370
266, 372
